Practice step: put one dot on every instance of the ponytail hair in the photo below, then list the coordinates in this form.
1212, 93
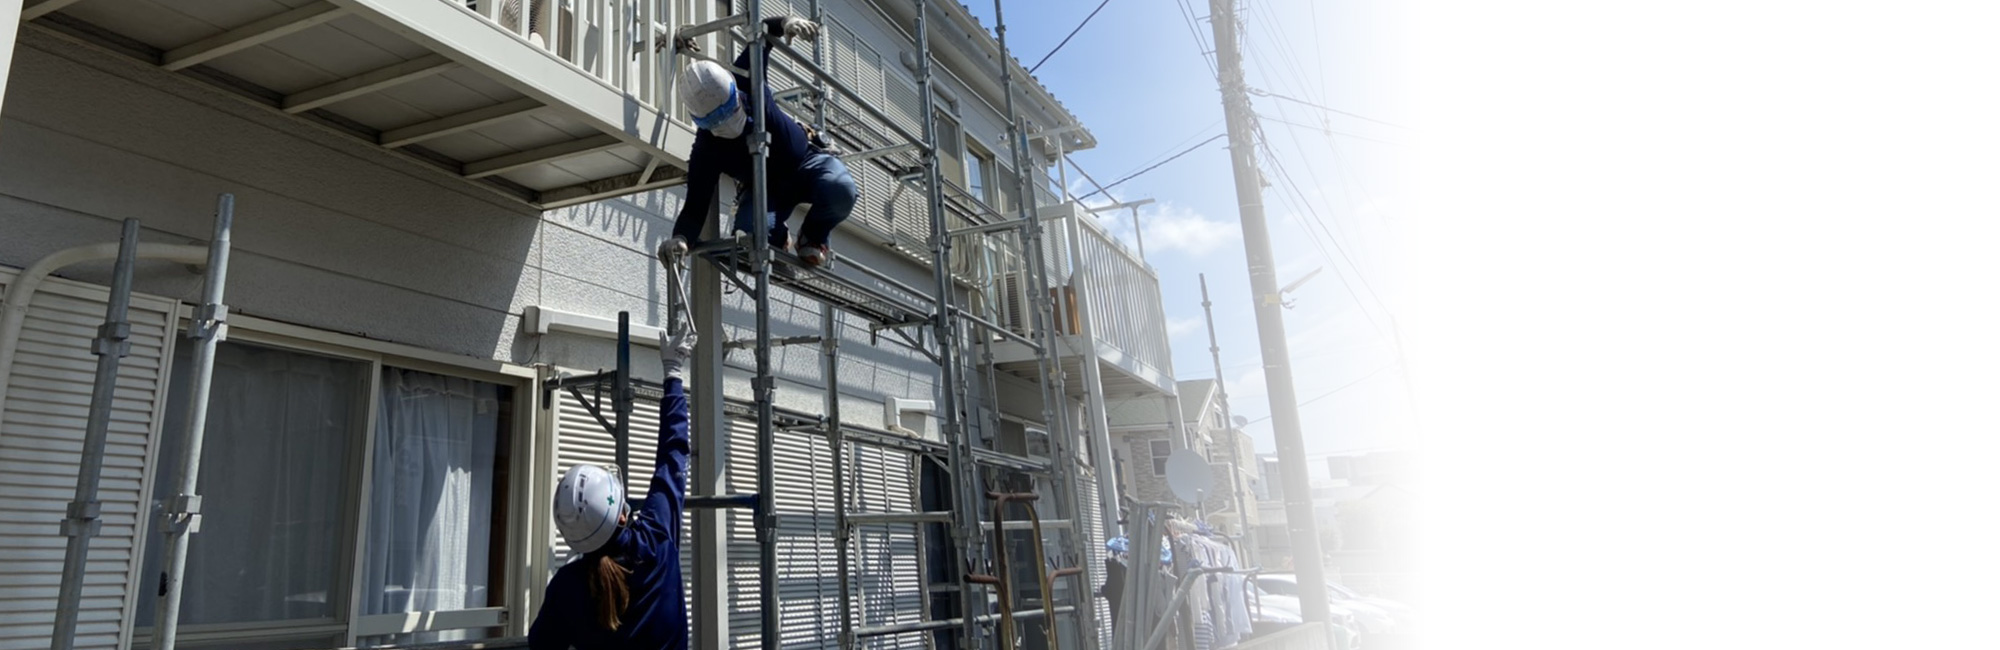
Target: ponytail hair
609, 591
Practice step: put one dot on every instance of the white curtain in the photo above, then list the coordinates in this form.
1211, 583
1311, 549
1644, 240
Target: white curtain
274, 469
431, 504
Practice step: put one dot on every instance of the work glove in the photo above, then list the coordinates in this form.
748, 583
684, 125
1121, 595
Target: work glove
674, 354
787, 27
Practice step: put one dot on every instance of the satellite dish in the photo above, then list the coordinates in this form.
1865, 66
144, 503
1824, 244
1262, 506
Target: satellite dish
1188, 475
1241, 421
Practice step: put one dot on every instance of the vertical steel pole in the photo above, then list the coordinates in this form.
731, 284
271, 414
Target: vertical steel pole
113, 342
764, 385
1229, 431
1270, 316
621, 399
710, 616
181, 515
964, 469
1138, 234
1055, 414
819, 51
836, 436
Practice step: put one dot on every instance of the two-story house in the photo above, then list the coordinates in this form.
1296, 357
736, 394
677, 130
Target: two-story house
439, 206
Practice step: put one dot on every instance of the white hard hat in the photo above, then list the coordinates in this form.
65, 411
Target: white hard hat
709, 92
589, 499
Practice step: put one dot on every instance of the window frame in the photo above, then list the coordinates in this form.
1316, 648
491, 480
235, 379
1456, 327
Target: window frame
521, 490
1159, 459
981, 157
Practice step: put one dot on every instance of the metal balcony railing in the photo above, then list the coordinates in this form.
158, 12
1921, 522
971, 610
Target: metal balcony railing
610, 40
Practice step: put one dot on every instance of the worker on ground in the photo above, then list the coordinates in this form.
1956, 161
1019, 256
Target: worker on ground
622, 589
799, 171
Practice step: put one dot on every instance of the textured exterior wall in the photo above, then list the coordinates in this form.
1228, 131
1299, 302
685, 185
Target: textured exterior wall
334, 235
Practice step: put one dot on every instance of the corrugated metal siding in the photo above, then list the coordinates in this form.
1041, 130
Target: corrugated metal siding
41, 442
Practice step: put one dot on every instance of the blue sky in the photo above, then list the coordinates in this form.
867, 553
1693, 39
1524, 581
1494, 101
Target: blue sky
1138, 78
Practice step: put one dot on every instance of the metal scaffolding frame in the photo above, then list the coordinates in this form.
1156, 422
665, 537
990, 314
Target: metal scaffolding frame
928, 322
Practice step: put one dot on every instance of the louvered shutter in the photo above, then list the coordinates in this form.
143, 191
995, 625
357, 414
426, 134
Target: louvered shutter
41, 444
887, 557
1093, 544
883, 562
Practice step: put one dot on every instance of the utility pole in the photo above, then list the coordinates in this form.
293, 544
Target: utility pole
1229, 429
1270, 315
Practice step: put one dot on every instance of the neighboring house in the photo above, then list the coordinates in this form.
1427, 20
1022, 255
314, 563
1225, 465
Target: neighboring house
1363, 507
437, 208
1144, 437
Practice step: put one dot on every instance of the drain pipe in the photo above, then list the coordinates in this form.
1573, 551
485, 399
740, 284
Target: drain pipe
181, 515
14, 305
112, 343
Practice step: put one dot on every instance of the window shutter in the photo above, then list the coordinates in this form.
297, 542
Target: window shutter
41, 443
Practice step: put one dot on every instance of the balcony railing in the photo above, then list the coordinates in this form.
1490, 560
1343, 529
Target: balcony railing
1121, 292
610, 40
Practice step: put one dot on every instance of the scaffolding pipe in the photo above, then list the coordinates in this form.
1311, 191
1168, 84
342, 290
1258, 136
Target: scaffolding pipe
836, 438
964, 468
764, 384
720, 501
113, 342
181, 514
621, 398
942, 623
1229, 431
21, 292
1180, 594
719, 24
869, 518
871, 109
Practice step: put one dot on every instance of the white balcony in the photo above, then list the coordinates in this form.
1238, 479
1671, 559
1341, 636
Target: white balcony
553, 102
1120, 294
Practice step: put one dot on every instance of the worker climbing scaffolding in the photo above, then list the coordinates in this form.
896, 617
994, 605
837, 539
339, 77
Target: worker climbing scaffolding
803, 175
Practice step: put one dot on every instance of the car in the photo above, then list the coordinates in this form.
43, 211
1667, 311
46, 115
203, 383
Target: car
1270, 611
1405, 615
1373, 619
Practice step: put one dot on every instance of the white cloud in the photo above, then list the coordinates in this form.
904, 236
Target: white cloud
1169, 227
1179, 326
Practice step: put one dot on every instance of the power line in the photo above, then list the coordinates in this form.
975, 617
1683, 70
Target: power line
1286, 176
1200, 46
1085, 174
1169, 159
1210, 128
1265, 93
1327, 130
1330, 393
1072, 34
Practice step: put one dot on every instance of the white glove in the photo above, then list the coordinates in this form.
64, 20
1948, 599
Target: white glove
790, 27
674, 354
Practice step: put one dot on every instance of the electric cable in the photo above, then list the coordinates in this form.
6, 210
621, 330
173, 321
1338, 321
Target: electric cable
1157, 165
1265, 93
1072, 34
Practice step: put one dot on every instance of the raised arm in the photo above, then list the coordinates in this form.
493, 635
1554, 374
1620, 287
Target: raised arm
655, 530
669, 486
